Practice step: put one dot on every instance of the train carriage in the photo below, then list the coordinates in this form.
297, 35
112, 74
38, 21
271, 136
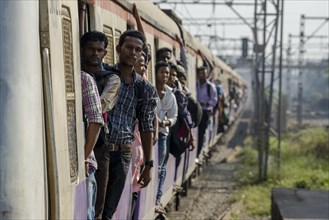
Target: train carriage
42, 134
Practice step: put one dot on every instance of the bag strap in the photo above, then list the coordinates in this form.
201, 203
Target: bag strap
208, 90
139, 87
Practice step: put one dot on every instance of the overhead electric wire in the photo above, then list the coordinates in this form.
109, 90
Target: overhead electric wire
189, 14
316, 30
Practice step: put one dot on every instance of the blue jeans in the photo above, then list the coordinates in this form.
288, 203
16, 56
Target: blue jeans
163, 160
91, 193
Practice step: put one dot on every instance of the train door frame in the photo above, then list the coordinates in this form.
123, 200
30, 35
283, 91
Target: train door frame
22, 144
65, 155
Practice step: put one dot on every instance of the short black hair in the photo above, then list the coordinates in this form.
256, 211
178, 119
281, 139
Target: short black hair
173, 66
161, 50
132, 33
161, 64
93, 36
180, 74
202, 68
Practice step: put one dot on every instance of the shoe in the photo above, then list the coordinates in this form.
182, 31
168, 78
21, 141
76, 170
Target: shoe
178, 188
160, 210
197, 161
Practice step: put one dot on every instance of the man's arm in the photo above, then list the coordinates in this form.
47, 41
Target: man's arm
214, 96
92, 136
93, 111
146, 129
147, 144
172, 114
138, 19
156, 130
183, 56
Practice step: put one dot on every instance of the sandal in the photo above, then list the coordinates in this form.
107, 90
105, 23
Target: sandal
159, 209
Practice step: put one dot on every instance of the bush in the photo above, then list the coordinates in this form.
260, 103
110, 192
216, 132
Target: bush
304, 164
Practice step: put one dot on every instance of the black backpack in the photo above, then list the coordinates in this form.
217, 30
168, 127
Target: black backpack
180, 131
180, 137
195, 110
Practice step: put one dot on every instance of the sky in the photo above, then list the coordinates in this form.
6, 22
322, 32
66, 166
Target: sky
316, 48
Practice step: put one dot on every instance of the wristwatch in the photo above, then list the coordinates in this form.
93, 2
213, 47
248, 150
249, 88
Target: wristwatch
149, 163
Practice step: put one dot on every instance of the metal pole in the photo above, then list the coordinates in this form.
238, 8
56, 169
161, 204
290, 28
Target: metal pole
288, 91
280, 91
269, 110
300, 75
262, 93
257, 94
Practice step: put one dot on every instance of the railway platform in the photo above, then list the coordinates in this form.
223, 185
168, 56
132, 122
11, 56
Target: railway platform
298, 204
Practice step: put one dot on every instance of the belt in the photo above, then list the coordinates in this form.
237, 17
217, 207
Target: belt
118, 147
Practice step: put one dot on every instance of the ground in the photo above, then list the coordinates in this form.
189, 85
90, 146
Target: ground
209, 194
208, 197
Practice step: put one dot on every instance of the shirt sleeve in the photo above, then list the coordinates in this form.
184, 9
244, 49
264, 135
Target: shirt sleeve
91, 100
214, 96
110, 93
147, 107
173, 111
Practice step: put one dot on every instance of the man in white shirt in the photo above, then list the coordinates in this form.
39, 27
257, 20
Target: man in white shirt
167, 116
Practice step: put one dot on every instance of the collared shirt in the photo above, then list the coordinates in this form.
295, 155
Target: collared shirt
123, 116
92, 105
207, 95
167, 109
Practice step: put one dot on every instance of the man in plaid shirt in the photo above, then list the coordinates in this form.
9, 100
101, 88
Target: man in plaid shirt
137, 100
93, 50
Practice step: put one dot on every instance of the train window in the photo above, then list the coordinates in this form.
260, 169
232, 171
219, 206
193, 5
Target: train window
70, 92
109, 58
117, 36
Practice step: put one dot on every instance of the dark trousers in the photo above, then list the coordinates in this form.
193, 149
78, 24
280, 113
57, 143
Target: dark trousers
110, 176
202, 129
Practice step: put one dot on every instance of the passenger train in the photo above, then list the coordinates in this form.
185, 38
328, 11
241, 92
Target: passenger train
42, 172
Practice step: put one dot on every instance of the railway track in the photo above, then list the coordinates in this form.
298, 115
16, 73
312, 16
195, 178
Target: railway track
208, 194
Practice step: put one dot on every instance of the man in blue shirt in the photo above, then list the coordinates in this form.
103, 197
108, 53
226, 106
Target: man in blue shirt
114, 158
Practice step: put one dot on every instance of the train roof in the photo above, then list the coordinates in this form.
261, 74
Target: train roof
214, 60
153, 15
